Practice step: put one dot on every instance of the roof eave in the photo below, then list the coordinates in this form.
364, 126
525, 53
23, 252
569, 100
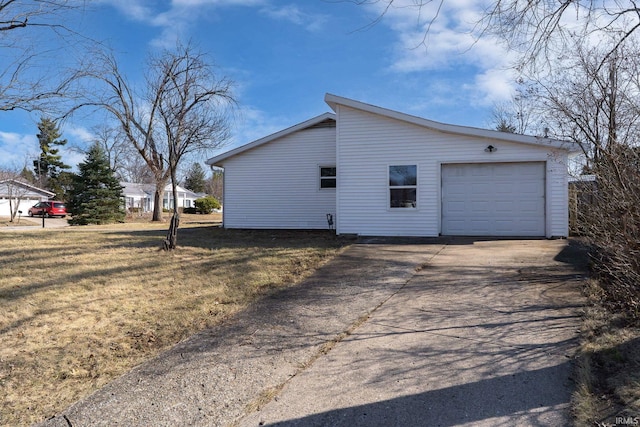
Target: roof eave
30, 187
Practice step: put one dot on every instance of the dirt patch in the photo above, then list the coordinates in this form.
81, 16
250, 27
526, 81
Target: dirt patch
608, 366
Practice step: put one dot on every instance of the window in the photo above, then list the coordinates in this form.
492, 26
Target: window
403, 185
327, 177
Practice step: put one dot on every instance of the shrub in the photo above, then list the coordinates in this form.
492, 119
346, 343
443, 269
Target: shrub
207, 204
611, 222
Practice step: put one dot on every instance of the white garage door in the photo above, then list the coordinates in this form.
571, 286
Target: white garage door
493, 199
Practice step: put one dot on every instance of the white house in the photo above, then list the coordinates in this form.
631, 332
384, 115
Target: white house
141, 197
17, 193
380, 172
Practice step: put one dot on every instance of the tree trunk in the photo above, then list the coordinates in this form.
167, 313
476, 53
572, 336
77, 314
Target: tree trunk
171, 241
12, 211
157, 203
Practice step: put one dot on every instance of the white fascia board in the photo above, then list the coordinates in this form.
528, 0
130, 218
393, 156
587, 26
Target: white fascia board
215, 161
333, 101
29, 187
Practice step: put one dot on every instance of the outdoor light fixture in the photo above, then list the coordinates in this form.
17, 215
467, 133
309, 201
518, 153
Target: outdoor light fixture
491, 149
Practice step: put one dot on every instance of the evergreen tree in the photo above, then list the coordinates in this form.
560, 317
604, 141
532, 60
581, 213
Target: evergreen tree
195, 180
96, 195
49, 165
28, 176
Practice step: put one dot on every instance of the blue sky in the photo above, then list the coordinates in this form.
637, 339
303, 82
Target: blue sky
284, 56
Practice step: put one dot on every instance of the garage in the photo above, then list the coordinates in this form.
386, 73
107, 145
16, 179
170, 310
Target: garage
493, 199
396, 174
17, 193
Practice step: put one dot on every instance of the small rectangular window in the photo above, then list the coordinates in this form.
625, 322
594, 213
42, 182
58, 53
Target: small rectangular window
403, 186
327, 177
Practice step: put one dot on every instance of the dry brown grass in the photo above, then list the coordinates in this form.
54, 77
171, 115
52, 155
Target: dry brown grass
17, 222
608, 365
80, 306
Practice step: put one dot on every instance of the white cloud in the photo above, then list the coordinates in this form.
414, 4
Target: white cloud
17, 150
434, 36
136, 10
189, 3
493, 86
179, 16
293, 14
253, 123
80, 133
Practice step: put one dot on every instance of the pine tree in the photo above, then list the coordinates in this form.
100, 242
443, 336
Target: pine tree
96, 195
195, 180
49, 165
28, 176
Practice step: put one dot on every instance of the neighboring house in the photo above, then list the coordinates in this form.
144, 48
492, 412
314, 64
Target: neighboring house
18, 193
380, 172
139, 197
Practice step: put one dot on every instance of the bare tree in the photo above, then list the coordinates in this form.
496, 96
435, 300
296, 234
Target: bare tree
117, 148
537, 28
519, 115
214, 185
135, 169
540, 28
25, 28
593, 98
136, 116
182, 109
192, 104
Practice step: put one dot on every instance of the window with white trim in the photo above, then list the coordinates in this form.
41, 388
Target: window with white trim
403, 186
327, 177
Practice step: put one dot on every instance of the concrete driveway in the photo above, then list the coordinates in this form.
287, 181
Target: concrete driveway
437, 333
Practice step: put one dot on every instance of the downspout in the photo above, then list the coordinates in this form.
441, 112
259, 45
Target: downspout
224, 195
338, 169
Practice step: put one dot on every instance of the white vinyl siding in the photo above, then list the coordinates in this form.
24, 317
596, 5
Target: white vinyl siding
276, 185
368, 143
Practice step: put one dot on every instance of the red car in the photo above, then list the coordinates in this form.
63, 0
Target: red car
49, 209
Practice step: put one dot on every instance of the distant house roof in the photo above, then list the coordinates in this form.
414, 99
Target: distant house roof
326, 119
28, 189
134, 189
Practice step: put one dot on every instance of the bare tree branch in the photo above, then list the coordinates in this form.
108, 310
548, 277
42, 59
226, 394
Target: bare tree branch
26, 29
183, 108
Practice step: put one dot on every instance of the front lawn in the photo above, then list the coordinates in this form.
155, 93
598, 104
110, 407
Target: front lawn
80, 306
